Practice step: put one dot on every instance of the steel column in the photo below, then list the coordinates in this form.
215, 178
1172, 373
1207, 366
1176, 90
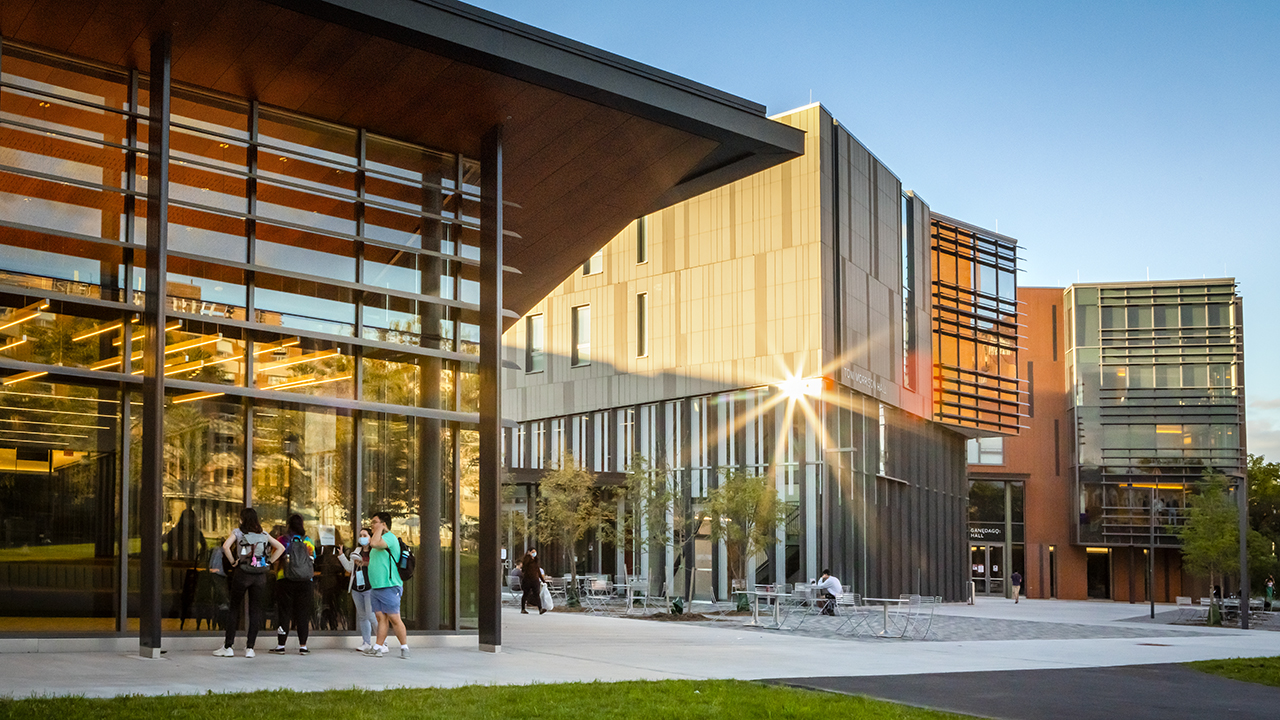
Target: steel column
151, 500
490, 562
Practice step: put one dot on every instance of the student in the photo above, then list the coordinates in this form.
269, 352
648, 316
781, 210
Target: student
294, 594
384, 577
358, 586
1016, 581
829, 590
246, 551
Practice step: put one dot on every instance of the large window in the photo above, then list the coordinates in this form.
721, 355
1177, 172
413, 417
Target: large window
581, 340
318, 276
985, 451
535, 357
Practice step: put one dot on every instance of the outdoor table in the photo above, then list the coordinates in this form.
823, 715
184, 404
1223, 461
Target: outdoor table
755, 596
755, 606
885, 603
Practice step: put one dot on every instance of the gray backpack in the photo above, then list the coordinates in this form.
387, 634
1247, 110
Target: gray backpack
298, 563
251, 553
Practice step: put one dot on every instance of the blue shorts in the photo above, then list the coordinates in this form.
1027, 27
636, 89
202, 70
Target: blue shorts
386, 600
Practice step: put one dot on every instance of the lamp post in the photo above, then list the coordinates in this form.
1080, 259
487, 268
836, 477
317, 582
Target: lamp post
1151, 555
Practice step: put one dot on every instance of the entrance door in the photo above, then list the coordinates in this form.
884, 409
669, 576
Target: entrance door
1099, 573
986, 568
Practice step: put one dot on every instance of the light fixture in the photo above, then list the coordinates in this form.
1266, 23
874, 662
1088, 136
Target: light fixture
309, 357
268, 347
22, 315
309, 380
31, 375
192, 397
13, 344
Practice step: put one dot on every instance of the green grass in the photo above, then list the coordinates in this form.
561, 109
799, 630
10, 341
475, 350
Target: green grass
1264, 671
669, 700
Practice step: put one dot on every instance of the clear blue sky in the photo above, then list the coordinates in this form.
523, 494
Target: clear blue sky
1113, 139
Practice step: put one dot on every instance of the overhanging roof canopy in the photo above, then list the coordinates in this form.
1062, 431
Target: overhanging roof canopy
592, 140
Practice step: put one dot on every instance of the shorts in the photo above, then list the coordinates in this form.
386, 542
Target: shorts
386, 600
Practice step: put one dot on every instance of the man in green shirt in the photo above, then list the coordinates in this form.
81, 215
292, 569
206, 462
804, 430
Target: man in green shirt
387, 587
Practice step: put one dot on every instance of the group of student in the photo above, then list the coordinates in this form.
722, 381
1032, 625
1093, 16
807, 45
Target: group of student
376, 584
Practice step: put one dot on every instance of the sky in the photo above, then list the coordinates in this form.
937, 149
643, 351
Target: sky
1115, 140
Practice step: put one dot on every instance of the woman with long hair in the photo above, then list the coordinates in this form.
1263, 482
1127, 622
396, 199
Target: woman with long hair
294, 593
249, 553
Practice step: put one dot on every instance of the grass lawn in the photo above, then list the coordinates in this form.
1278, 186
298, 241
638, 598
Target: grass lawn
667, 700
1264, 671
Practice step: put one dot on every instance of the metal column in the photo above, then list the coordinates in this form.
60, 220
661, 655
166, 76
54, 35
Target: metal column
150, 501
490, 562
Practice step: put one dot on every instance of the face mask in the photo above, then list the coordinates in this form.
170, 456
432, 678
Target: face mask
533, 555
364, 541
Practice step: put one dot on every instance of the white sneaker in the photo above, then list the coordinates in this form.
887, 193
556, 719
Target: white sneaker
248, 652
404, 652
223, 652
364, 647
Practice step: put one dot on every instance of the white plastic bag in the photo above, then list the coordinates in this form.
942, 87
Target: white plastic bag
547, 604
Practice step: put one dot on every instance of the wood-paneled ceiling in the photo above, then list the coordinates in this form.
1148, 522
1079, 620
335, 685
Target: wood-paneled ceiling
592, 140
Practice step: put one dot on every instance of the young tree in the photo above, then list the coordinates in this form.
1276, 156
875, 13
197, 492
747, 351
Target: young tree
570, 506
646, 522
1211, 537
745, 512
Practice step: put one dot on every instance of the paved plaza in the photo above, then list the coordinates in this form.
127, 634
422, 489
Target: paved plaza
567, 647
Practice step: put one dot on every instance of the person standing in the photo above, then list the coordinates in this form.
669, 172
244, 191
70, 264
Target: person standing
1016, 581
829, 590
531, 579
358, 586
294, 594
387, 587
246, 550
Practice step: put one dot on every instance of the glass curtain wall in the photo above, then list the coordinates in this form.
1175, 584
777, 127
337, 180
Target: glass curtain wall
320, 350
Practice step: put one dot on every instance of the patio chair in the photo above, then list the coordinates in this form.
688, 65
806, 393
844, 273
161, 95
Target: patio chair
900, 615
637, 590
922, 619
800, 606
559, 589
596, 595
513, 593
856, 615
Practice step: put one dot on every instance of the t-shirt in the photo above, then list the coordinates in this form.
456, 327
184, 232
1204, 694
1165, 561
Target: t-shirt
831, 585
383, 572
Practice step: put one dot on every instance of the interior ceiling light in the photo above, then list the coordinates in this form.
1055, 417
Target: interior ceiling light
24, 376
309, 357
192, 397
308, 380
13, 344
22, 315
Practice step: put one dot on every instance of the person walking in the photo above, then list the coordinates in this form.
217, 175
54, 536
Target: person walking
294, 593
387, 587
1016, 581
358, 565
531, 578
249, 553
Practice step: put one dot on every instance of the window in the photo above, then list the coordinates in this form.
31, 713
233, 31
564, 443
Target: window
594, 264
642, 241
908, 299
884, 441
642, 325
581, 335
985, 451
535, 357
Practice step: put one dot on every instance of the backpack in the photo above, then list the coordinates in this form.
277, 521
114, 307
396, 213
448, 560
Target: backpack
405, 563
251, 552
298, 563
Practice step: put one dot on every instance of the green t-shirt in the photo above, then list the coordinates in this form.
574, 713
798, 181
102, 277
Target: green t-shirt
383, 573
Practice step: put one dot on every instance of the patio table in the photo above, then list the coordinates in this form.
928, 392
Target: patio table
885, 603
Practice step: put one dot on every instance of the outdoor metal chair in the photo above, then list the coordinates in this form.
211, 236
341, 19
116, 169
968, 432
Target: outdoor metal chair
922, 620
596, 595
637, 593
856, 615
513, 593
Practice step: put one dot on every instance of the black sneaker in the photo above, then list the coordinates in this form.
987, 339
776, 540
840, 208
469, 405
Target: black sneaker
277, 650
303, 650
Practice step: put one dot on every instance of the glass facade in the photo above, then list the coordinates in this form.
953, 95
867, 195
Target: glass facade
1155, 371
834, 457
975, 329
320, 351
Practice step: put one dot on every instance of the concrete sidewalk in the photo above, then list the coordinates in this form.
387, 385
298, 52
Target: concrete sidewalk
566, 647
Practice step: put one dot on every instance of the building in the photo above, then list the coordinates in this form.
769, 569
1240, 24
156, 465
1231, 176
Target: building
261, 252
1137, 390
814, 324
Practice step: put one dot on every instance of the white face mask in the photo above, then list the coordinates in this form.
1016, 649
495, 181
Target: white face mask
364, 541
533, 555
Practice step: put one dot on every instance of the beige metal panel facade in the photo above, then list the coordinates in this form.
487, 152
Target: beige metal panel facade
734, 294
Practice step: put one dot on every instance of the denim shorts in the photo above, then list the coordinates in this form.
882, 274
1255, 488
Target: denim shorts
386, 600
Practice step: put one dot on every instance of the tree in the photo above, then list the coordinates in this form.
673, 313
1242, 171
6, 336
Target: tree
745, 512
570, 506
646, 521
1264, 498
1210, 535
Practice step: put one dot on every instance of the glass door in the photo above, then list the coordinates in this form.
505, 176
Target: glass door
986, 568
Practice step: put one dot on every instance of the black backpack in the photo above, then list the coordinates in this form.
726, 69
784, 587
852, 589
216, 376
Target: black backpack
406, 562
298, 563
